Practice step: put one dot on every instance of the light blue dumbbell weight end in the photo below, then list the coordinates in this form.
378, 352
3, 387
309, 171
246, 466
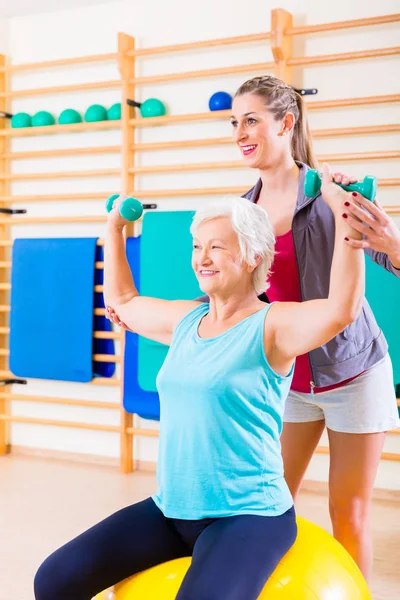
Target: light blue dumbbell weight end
130, 209
110, 202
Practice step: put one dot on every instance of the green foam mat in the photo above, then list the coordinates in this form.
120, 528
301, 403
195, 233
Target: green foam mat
383, 294
166, 272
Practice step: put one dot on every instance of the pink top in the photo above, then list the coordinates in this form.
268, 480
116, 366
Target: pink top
284, 286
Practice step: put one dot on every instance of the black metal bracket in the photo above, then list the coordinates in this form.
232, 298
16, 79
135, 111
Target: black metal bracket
5, 115
134, 103
306, 91
13, 211
149, 206
12, 381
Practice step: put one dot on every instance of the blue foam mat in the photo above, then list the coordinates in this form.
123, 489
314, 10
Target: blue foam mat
52, 301
135, 399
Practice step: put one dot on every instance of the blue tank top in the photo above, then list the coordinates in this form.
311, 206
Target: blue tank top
221, 408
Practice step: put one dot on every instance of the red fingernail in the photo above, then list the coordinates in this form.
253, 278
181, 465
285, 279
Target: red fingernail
344, 216
347, 203
347, 239
354, 193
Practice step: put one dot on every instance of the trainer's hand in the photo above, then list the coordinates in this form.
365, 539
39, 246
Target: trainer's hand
114, 318
380, 232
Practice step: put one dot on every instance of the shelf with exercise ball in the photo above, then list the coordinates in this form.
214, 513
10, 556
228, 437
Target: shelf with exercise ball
93, 337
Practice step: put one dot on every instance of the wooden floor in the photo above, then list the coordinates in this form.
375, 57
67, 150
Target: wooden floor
44, 503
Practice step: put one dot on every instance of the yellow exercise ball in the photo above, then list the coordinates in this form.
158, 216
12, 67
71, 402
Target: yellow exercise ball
317, 567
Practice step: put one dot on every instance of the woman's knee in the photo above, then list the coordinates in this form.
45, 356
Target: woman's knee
349, 514
55, 579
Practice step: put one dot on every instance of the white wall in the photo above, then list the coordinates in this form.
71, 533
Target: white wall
93, 30
3, 35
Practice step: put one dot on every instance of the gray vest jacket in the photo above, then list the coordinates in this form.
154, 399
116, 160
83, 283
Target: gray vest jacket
362, 343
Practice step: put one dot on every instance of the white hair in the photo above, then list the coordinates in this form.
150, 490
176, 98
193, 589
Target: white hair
253, 229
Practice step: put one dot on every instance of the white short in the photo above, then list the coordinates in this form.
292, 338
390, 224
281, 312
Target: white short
365, 405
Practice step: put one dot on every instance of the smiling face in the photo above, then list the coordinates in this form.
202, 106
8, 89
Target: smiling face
216, 258
262, 140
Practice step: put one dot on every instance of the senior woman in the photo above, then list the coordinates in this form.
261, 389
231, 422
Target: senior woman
222, 497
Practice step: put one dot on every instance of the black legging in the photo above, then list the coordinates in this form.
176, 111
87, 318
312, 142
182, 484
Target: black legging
232, 556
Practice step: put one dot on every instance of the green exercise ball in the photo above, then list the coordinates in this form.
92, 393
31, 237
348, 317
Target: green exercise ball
152, 107
21, 119
95, 112
114, 112
42, 119
69, 116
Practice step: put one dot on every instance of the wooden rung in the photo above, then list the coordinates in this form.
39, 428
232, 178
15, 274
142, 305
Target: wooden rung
99, 312
49, 129
5, 286
136, 193
336, 25
385, 455
225, 114
57, 423
60, 197
61, 152
360, 101
105, 335
146, 147
381, 155
346, 131
388, 183
159, 194
208, 166
62, 89
317, 133
208, 116
9, 243
334, 58
143, 432
61, 62
107, 381
98, 335
4, 308
99, 264
64, 401
238, 39
99, 289
255, 67
5, 264
56, 219
108, 358
60, 175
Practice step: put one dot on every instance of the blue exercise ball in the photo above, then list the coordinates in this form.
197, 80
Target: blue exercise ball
220, 101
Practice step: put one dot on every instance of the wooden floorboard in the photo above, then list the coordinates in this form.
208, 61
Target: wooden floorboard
44, 503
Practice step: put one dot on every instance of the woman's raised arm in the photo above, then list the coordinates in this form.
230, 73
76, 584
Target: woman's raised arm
152, 318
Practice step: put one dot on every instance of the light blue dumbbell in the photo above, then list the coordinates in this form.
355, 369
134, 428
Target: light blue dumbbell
367, 187
130, 208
